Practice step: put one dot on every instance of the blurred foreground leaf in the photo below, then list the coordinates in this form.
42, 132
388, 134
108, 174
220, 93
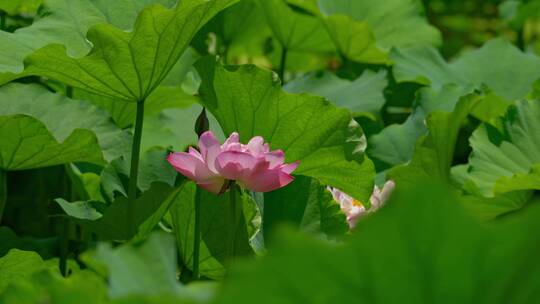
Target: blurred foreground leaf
421, 248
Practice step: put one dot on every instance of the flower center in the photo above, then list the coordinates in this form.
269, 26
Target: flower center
357, 203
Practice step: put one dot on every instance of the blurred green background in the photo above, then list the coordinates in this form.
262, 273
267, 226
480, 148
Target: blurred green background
470, 23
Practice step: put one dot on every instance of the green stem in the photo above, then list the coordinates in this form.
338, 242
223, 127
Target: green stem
197, 234
282, 64
3, 192
64, 246
86, 237
134, 170
234, 224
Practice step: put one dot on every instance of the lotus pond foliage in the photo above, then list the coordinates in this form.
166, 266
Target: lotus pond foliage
269, 151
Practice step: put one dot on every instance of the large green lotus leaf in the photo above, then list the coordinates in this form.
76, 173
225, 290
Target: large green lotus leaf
395, 144
365, 31
309, 6
520, 70
520, 181
41, 149
305, 204
296, 31
42, 129
424, 65
112, 223
511, 78
501, 203
364, 94
507, 158
325, 139
239, 33
434, 152
354, 39
239, 24
489, 208
491, 107
123, 13
220, 243
422, 247
65, 22
175, 91
128, 65
394, 23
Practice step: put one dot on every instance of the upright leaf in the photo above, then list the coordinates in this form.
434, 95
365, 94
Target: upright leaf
325, 139
433, 153
506, 159
395, 144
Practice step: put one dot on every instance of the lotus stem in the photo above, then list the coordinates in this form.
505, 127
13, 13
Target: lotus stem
3, 192
134, 169
282, 65
197, 234
234, 220
64, 246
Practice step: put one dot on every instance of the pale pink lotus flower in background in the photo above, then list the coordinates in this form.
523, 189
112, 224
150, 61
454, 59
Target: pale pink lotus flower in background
354, 209
252, 166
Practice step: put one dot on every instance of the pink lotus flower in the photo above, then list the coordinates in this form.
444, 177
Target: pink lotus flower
252, 166
354, 209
